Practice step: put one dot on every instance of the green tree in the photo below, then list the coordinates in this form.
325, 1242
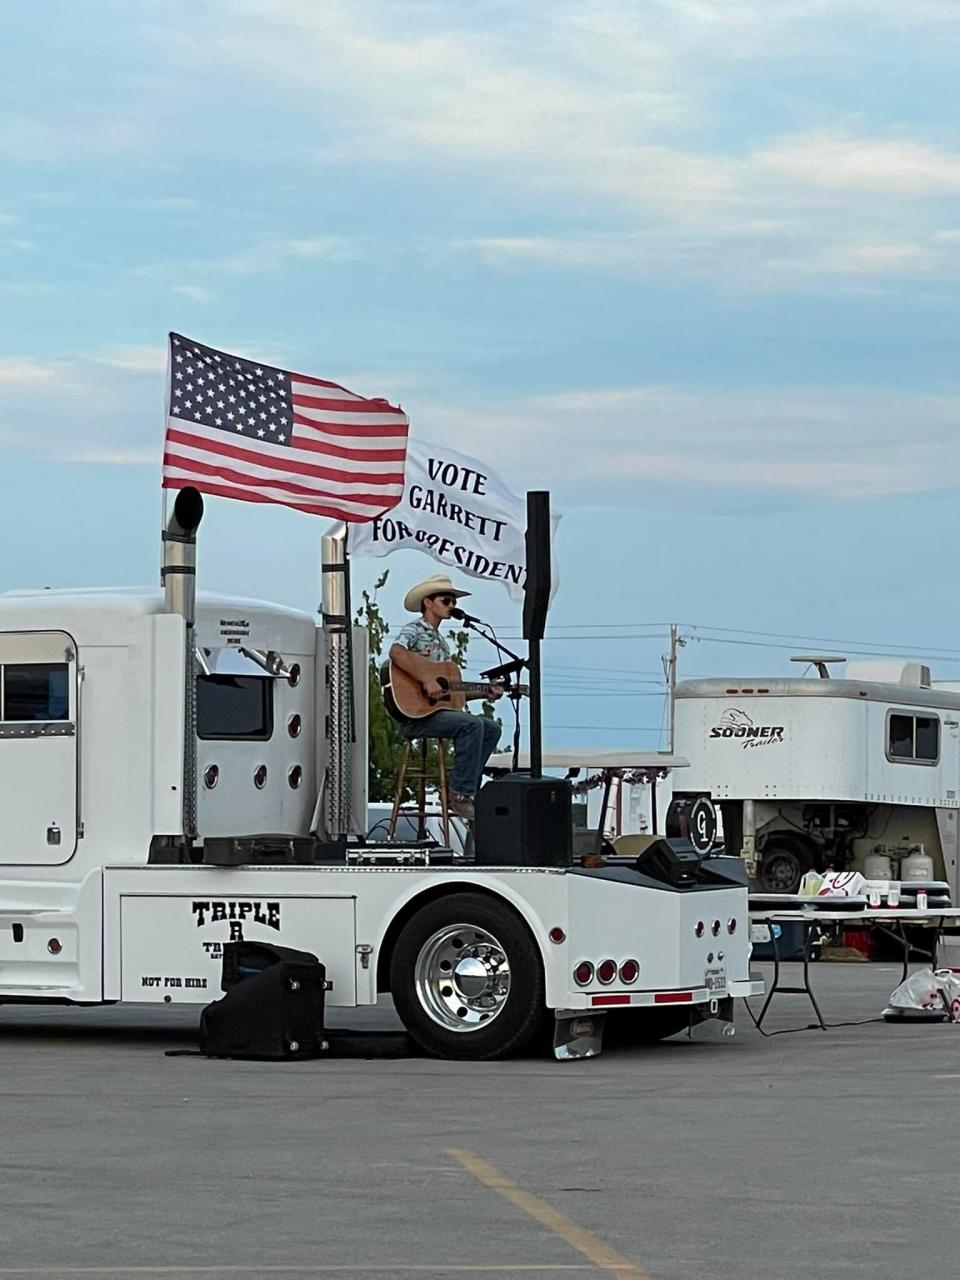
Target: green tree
385, 743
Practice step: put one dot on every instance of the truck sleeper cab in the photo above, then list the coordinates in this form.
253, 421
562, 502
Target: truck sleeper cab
104, 898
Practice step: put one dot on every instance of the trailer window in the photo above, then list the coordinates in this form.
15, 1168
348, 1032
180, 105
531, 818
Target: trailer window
35, 691
234, 707
913, 739
927, 741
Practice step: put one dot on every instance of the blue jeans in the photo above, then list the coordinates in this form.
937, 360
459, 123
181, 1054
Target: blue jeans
474, 740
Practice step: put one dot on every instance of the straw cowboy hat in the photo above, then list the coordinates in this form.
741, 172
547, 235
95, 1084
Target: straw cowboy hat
438, 585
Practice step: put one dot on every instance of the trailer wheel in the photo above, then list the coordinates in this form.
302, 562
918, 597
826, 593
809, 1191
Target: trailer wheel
783, 862
467, 979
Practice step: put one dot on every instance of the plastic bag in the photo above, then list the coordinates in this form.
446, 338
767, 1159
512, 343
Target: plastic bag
930, 990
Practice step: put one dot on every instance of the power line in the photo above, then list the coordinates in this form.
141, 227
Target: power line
859, 653
599, 693
939, 655
790, 635
602, 728
634, 631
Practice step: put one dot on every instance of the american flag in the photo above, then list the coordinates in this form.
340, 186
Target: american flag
246, 430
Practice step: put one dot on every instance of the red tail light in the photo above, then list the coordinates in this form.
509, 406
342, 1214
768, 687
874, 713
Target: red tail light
583, 973
731, 925
699, 929
629, 971
606, 971
715, 928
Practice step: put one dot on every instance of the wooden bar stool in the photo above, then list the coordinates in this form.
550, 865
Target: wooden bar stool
416, 771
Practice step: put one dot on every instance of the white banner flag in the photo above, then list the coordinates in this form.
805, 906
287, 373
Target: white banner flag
458, 512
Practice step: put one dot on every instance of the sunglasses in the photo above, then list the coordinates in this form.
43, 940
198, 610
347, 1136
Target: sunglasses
445, 599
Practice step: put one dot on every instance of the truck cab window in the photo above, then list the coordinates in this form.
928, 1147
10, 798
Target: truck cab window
913, 739
234, 707
34, 691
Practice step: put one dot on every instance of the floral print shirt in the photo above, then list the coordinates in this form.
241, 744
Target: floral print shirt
419, 637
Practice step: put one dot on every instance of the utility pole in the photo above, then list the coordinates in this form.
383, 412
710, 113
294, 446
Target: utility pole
670, 663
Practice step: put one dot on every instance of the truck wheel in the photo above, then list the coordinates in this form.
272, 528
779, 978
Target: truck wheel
783, 862
467, 979
644, 1026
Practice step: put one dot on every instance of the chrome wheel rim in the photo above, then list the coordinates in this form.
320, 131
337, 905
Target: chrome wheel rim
462, 977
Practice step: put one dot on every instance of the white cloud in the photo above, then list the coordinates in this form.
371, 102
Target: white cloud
276, 251
133, 358
27, 288
757, 255
897, 169
606, 445
91, 131
853, 259
195, 292
595, 113
27, 374
268, 254
109, 456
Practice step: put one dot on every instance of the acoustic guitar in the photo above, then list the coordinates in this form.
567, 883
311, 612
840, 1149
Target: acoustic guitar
404, 698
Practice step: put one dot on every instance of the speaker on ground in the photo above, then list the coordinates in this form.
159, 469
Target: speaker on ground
273, 1006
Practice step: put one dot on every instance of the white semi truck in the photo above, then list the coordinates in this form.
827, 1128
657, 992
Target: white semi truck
828, 771
177, 774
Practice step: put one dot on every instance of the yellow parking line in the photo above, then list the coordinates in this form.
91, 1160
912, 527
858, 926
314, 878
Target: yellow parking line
585, 1242
312, 1269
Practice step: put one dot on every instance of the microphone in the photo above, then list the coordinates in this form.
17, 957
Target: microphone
462, 616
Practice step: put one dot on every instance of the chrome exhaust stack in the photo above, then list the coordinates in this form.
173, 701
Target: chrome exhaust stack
334, 815
178, 575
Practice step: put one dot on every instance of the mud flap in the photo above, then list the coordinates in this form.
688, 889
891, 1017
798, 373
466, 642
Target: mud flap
721, 1010
577, 1035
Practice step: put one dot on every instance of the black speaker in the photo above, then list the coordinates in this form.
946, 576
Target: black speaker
673, 862
245, 959
536, 588
523, 821
273, 1008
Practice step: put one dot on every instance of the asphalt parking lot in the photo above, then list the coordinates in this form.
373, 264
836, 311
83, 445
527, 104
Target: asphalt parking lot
821, 1153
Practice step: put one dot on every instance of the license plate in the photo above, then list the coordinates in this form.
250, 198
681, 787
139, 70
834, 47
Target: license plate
715, 980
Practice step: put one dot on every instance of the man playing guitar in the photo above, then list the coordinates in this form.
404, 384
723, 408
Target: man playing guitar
416, 650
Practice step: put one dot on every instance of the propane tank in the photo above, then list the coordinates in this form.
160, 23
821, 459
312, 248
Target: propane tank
917, 865
877, 866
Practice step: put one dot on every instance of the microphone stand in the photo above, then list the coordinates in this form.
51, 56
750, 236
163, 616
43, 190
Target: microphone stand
505, 671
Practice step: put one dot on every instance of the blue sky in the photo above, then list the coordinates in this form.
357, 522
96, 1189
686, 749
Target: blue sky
690, 266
